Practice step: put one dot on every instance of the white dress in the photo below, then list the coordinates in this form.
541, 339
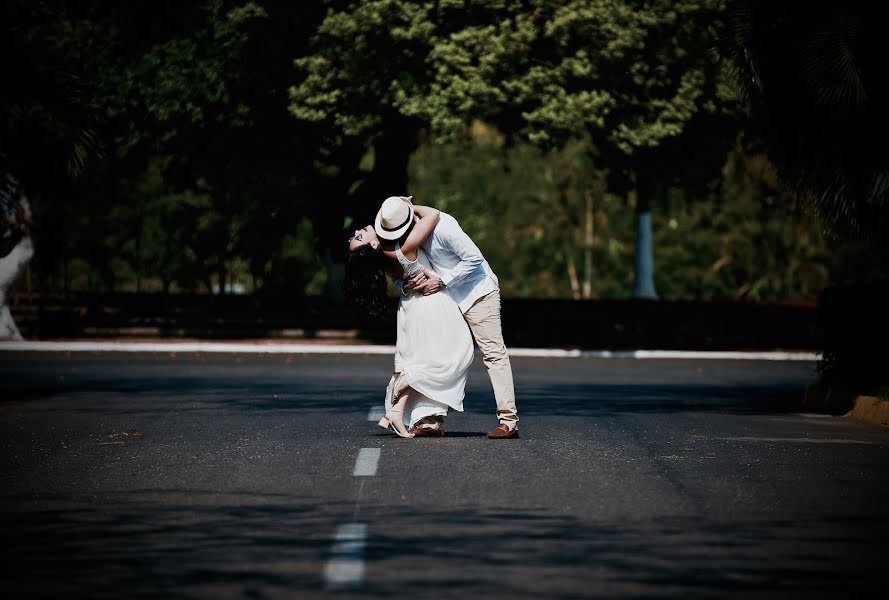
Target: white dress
434, 346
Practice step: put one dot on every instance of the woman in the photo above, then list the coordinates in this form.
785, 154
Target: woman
434, 346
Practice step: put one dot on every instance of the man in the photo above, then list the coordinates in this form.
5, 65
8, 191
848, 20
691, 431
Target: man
460, 267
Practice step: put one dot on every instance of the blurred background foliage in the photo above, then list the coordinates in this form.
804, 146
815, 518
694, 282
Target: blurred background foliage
739, 238
229, 146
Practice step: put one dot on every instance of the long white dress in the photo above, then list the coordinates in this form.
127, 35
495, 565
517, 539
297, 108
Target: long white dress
433, 349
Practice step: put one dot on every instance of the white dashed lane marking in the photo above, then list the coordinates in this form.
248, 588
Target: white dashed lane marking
366, 463
345, 569
376, 413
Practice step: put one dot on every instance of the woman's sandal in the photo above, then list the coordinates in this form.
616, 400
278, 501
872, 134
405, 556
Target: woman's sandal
395, 420
389, 421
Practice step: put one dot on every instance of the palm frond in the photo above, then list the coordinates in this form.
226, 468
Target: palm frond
812, 79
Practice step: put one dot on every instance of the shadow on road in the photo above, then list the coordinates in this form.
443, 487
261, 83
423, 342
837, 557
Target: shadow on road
168, 544
246, 391
600, 399
510, 554
185, 544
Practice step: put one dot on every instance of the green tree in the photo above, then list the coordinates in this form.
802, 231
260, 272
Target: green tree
48, 124
51, 112
185, 96
527, 209
739, 238
628, 75
365, 59
196, 112
813, 80
631, 76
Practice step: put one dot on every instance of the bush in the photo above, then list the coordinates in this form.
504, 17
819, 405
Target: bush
853, 325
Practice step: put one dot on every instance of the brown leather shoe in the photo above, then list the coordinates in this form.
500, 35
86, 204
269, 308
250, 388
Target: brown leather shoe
419, 431
503, 432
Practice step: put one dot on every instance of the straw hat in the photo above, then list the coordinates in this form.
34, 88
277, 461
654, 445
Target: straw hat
394, 218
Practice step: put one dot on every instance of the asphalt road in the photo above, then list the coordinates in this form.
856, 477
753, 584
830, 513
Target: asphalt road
225, 476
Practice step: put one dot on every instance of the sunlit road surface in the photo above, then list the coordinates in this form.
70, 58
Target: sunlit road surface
235, 476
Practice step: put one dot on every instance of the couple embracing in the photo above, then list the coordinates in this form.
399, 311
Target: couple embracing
449, 295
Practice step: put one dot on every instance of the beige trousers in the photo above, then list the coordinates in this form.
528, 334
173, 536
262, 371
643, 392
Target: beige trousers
484, 321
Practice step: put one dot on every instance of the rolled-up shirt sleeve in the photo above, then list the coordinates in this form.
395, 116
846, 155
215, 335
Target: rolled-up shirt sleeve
463, 246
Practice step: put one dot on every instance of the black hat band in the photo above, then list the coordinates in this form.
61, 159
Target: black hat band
403, 223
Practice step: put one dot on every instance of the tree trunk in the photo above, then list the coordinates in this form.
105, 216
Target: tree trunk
644, 262
66, 277
588, 249
335, 273
392, 150
572, 274
139, 260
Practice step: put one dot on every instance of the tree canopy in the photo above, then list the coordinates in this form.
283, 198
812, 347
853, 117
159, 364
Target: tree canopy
813, 79
227, 144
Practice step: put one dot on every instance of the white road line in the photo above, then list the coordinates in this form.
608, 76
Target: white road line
249, 348
376, 413
345, 568
238, 348
774, 355
366, 463
663, 354
358, 501
803, 440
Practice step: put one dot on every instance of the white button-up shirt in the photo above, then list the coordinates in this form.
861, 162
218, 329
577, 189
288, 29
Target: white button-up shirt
458, 261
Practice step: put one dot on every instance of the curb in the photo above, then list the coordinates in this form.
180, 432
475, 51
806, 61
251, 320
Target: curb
865, 409
870, 409
263, 347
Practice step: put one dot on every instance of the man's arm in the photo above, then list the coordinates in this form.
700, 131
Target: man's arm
455, 239
452, 236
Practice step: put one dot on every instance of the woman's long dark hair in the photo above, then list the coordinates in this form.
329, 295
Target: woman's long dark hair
365, 281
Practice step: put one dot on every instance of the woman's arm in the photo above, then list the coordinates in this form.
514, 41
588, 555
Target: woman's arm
393, 267
428, 219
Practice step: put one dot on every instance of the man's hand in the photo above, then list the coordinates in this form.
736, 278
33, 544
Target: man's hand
424, 283
413, 284
432, 285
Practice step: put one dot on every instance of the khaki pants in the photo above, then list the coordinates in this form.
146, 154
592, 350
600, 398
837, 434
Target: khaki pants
484, 321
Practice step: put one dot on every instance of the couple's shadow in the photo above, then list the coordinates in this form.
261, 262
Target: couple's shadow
448, 434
